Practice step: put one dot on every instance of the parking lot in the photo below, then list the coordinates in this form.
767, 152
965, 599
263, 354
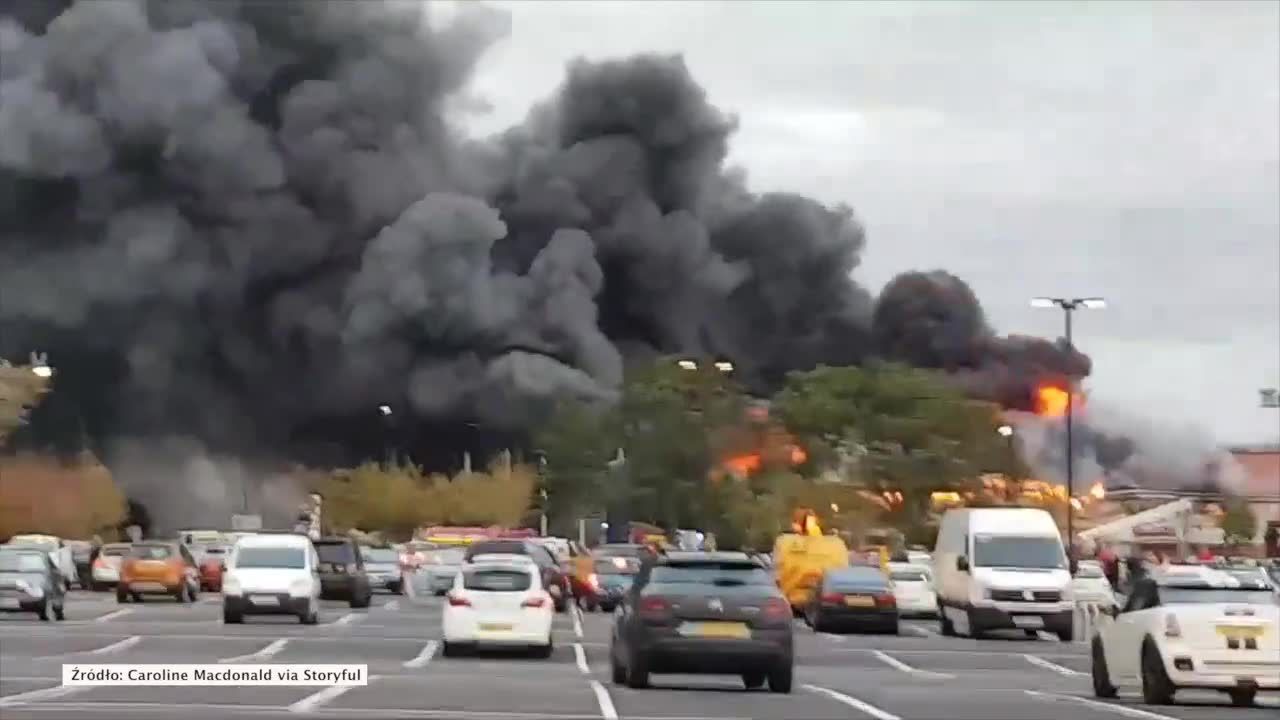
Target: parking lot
915, 676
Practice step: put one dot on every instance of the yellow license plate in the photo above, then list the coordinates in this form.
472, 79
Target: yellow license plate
1241, 632
719, 630
496, 627
859, 601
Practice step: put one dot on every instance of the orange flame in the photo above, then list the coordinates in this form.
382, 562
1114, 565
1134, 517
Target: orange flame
1098, 491
805, 522
1051, 401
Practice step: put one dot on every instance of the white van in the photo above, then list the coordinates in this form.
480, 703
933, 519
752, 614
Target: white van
1002, 568
272, 575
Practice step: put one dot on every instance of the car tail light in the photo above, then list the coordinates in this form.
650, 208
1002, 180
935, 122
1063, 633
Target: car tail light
886, 600
1171, 627
776, 609
832, 598
534, 602
654, 608
99, 564
458, 601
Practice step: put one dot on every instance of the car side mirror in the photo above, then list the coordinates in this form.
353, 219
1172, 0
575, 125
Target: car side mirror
962, 563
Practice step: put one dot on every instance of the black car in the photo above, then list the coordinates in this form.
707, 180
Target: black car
854, 598
554, 578
613, 578
342, 572
29, 582
716, 613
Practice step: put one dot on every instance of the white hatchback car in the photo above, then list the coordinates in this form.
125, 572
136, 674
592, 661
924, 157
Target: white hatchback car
498, 601
1190, 628
913, 590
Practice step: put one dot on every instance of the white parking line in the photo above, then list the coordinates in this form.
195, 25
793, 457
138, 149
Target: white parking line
1048, 637
104, 650
265, 653
1041, 662
313, 701
577, 621
423, 657
38, 695
919, 630
1117, 709
832, 637
347, 619
897, 664
113, 615
607, 710
853, 702
392, 605
581, 656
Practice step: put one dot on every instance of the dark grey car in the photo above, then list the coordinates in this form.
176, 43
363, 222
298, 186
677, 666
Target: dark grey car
29, 582
716, 613
854, 598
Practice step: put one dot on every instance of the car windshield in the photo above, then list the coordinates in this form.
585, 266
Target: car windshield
151, 552
724, 574
21, 562
1089, 571
384, 556
449, 556
908, 576
1170, 595
496, 580
335, 553
271, 557
115, 550
1006, 551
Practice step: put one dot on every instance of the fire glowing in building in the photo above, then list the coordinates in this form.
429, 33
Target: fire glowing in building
1051, 401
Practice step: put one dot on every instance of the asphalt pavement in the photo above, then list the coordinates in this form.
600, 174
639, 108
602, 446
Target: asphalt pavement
917, 675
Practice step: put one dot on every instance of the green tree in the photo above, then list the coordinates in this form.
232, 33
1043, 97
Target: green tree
1239, 524
895, 429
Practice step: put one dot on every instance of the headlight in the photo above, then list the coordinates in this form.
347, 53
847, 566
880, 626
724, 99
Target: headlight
230, 585
300, 587
29, 589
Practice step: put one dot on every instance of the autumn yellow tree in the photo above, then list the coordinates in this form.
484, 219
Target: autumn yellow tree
76, 499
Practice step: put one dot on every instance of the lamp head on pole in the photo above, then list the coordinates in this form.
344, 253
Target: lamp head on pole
1005, 430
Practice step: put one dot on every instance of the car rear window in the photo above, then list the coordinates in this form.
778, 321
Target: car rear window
496, 580
859, 578
908, 576
1214, 596
335, 553
115, 550
497, 548
381, 555
269, 557
151, 552
711, 574
21, 562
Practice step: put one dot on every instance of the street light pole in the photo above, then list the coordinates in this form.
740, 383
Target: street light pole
1069, 306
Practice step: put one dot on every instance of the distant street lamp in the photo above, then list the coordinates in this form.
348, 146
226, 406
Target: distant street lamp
1069, 306
40, 365
1005, 430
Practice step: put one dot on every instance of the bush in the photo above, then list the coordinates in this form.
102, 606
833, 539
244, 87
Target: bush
397, 499
75, 500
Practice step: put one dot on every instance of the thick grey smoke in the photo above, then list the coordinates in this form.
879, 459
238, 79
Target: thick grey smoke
237, 221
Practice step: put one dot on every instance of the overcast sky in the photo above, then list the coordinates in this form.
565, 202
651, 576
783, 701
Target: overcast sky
1127, 150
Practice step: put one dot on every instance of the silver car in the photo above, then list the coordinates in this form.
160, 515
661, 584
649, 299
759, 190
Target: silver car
441, 568
382, 565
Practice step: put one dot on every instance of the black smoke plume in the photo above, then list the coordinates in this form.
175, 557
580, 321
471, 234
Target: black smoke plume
252, 223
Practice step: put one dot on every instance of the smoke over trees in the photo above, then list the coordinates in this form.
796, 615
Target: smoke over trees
242, 221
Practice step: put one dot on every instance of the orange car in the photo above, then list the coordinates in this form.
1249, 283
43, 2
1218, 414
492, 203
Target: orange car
158, 568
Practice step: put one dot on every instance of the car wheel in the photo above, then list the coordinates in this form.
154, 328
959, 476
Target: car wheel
121, 595
1032, 634
1102, 687
617, 673
1157, 689
753, 680
231, 618
42, 610
137, 597
893, 629
59, 612
450, 650
637, 673
780, 679
1067, 635
945, 626
309, 617
542, 652
1242, 698
182, 593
